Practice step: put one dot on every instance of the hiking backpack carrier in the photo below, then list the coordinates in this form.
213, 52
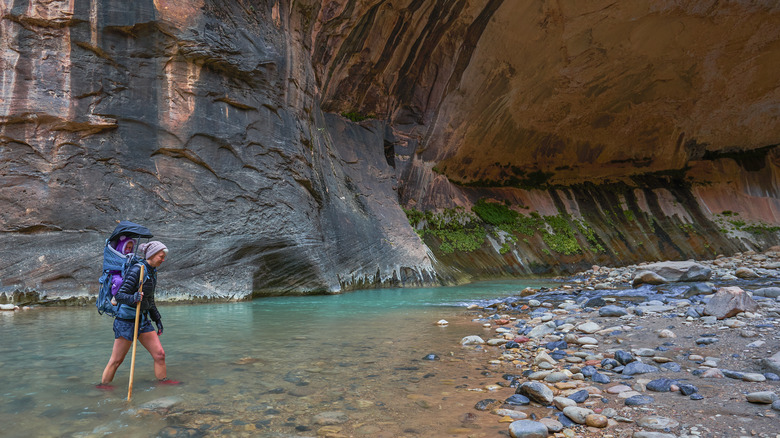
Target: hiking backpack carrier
117, 259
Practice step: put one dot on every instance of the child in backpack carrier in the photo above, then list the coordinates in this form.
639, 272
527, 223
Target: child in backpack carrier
124, 246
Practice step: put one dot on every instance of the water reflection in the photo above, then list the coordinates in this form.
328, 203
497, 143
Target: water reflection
248, 368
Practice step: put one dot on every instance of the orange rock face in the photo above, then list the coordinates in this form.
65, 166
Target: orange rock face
642, 130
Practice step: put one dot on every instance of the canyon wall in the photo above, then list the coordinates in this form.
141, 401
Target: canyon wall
272, 146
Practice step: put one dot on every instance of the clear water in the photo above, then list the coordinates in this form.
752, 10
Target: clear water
250, 368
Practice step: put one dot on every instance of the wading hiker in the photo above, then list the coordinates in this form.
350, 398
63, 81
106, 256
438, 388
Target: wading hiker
128, 295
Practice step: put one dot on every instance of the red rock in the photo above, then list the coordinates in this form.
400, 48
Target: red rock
502, 321
522, 339
729, 301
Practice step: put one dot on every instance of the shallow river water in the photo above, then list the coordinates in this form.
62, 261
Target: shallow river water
269, 366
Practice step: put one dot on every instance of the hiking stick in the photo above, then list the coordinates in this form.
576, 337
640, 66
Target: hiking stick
135, 333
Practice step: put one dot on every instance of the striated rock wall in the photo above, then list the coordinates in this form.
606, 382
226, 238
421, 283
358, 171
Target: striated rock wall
201, 121
216, 124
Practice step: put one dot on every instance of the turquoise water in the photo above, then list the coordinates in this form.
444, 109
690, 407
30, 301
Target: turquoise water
250, 368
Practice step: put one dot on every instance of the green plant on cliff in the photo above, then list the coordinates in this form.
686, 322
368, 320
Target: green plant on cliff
761, 228
738, 224
356, 116
456, 229
415, 217
562, 239
494, 213
590, 236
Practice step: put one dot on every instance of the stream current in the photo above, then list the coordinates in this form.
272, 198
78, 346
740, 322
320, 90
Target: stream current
269, 366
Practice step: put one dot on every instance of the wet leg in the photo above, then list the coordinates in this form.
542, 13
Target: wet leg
151, 342
121, 347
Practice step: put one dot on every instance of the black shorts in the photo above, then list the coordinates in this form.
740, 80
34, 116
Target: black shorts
123, 328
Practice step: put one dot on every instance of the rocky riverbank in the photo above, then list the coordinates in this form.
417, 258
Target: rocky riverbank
661, 350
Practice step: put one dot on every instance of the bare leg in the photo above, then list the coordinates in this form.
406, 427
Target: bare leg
151, 342
121, 347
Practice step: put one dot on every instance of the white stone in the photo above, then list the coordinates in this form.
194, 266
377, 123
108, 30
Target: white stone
589, 327
472, 340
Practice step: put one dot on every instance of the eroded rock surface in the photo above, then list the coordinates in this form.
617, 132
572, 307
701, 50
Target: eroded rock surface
216, 124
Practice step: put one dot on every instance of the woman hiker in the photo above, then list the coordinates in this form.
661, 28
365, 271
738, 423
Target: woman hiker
128, 296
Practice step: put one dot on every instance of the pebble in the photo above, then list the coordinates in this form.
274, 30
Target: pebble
596, 420
544, 357
649, 434
660, 385
617, 389
612, 311
645, 352
600, 378
587, 340
579, 396
776, 405
753, 377
511, 413
672, 366
713, 373
536, 391
638, 368
589, 327
552, 425
330, 418
765, 397
686, 389
577, 414
666, 333
639, 400
472, 340
563, 402
518, 400
527, 429
559, 377
624, 357
657, 422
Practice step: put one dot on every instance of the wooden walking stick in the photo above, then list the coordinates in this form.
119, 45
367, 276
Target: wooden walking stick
135, 333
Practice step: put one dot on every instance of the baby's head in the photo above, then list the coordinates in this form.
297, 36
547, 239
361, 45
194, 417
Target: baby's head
125, 245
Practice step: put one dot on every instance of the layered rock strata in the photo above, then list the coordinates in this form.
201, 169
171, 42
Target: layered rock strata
218, 125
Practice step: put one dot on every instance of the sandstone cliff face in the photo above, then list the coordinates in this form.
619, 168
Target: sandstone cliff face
216, 124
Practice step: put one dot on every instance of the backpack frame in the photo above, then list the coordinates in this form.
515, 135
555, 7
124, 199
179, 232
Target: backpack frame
114, 261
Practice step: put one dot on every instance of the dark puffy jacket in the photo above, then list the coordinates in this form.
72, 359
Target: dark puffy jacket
130, 287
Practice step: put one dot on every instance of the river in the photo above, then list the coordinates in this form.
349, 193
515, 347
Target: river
268, 366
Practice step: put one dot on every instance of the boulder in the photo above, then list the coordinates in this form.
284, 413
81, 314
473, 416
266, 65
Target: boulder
647, 277
769, 292
680, 271
773, 363
699, 289
729, 301
743, 272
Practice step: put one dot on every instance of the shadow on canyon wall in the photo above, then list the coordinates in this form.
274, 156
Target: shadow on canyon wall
283, 148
